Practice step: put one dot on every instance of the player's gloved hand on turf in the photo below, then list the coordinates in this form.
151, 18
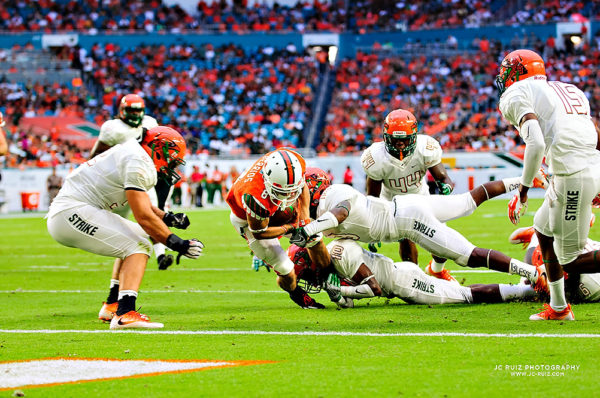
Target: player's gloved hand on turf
333, 287
299, 237
516, 208
445, 189
176, 220
373, 246
258, 262
300, 297
189, 248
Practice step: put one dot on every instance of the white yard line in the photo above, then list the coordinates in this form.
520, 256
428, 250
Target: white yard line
305, 333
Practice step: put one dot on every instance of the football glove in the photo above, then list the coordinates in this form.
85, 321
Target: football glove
333, 288
189, 248
445, 189
176, 220
314, 239
596, 201
2, 122
373, 246
299, 237
516, 209
300, 297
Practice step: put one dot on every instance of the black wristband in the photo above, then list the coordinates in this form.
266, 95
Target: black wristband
177, 244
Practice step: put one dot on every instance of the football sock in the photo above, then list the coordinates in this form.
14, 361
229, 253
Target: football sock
437, 267
159, 249
126, 301
558, 301
512, 183
528, 271
113, 294
513, 292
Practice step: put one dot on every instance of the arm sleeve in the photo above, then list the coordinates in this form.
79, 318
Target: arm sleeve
254, 208
531, 132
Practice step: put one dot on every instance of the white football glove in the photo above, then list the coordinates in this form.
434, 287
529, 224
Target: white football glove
194, 250
516, 209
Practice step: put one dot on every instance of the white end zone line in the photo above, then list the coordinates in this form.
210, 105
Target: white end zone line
269, 333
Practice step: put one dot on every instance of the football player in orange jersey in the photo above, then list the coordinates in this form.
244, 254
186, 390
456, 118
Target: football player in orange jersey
272, 184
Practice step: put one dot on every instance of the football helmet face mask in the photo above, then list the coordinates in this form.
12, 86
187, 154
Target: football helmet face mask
519, 65
132, 110
283, 177
307, 275
167, 148
317, 181
400, 133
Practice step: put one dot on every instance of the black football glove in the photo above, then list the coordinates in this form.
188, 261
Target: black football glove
299, 237
300, 297
176, 220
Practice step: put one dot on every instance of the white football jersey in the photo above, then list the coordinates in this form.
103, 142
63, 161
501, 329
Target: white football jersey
347, 256
563, 112
116, 131
401, 177
371, 219
101, 181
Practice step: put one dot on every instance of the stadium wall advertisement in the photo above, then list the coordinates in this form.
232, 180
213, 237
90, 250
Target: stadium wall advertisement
466, 169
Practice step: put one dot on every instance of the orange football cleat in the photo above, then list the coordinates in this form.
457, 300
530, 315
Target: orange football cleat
521, 235
550, 315
443, 274
108, 311
133, 320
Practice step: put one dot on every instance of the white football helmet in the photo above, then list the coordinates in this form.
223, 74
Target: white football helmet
284, 177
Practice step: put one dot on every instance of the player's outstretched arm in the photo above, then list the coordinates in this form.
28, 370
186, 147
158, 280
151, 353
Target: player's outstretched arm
98, 148
328, 220
153, 225
373, 187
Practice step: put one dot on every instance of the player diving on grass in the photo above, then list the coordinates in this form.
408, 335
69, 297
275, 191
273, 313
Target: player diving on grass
341, 211
271, 186
365, 274
81, 215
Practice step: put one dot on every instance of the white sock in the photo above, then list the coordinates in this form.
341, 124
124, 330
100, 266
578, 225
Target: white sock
512, 183
159, 249
114, 282
512, 292
123, 293
520, 268
558, 301
437, 267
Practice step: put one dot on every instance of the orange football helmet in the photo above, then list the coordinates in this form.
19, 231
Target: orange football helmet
132, 109
400, 133
167, 148
519, 65
317, 181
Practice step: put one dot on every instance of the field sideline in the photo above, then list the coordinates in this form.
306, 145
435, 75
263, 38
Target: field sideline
218, 309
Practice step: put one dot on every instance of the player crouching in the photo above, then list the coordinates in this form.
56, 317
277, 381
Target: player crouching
81, 215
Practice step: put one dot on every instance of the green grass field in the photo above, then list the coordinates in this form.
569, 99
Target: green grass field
218, 308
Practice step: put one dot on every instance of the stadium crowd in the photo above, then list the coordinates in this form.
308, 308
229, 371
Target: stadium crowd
453, 97
304, 16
